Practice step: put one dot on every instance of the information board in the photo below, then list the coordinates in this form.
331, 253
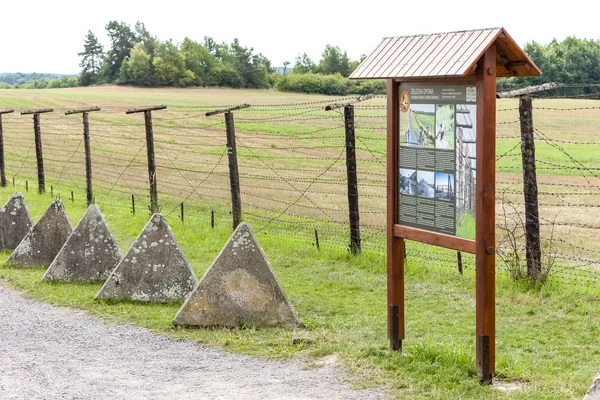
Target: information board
437, 158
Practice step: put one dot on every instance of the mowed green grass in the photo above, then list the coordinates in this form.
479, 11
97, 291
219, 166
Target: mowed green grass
547, 339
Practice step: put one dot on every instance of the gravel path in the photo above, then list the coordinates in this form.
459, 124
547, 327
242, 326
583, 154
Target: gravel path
48, 352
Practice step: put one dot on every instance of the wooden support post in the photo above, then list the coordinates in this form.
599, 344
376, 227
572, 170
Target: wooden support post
182, 214
38, 154
352, 180
133, 204
234, 179
395, 245
354, 216
460, 263
151, 163
483, 347
533, 247
154, 208
88, 155
485, 308
38, 146
212, 219
2, 166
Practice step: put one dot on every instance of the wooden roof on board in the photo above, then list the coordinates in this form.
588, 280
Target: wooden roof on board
447, 54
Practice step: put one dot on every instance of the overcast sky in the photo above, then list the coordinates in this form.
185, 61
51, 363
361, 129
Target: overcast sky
45, 36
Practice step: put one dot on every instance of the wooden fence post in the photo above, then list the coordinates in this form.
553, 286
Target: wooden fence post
154, 208
530, 192
38, 146
88, 155
234, 178
352, 180
2, 166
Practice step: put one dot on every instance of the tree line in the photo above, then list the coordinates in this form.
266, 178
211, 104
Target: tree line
571, 61
138, 58
36, 81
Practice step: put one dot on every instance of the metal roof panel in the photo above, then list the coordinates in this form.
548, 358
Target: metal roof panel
443, 54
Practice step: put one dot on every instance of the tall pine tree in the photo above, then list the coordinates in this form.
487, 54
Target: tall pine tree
91, 60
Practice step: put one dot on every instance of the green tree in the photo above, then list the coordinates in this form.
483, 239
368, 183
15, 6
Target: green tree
198, 60
91, 60
334, 61
143, 36
169, 66
122, 40
572, 61
252, 68
137, 69
304, 65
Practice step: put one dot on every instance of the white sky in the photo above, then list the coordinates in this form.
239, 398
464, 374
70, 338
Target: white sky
45, 36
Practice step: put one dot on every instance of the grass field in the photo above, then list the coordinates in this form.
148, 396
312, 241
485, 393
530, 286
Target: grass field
293, 181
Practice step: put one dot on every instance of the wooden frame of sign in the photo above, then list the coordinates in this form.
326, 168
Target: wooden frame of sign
484, 244
434, 192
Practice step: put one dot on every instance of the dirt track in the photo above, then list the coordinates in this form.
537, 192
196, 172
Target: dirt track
48, 352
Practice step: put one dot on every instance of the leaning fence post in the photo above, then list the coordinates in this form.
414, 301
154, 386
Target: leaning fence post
86, 143
38, 146
352, 179
533, 250
150, 148
2, 167
234, 178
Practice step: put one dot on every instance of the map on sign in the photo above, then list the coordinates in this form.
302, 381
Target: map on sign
437, 158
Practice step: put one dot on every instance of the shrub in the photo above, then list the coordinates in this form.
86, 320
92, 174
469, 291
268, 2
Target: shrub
335, 84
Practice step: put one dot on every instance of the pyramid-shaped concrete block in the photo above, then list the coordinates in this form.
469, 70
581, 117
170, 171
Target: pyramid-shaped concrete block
89, 254
154, 268
44, 241
239, 287
15, 222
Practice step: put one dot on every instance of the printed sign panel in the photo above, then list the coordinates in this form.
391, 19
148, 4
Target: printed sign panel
437, 158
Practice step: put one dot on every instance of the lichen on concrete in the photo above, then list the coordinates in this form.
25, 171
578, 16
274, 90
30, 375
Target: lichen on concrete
89, 254
43, 242
154, 269
15, 222
239, 287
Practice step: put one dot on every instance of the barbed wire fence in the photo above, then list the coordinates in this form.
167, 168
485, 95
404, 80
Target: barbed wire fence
293, 173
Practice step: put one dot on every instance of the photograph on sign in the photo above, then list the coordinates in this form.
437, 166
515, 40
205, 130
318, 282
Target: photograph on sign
408, 181
444, 124
418, 128
444, 186
436, 158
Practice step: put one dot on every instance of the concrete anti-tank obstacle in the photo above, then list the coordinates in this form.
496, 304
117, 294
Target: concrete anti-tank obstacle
89, 254
44, 241
593, 392
239, 287
154, 268
15, 222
